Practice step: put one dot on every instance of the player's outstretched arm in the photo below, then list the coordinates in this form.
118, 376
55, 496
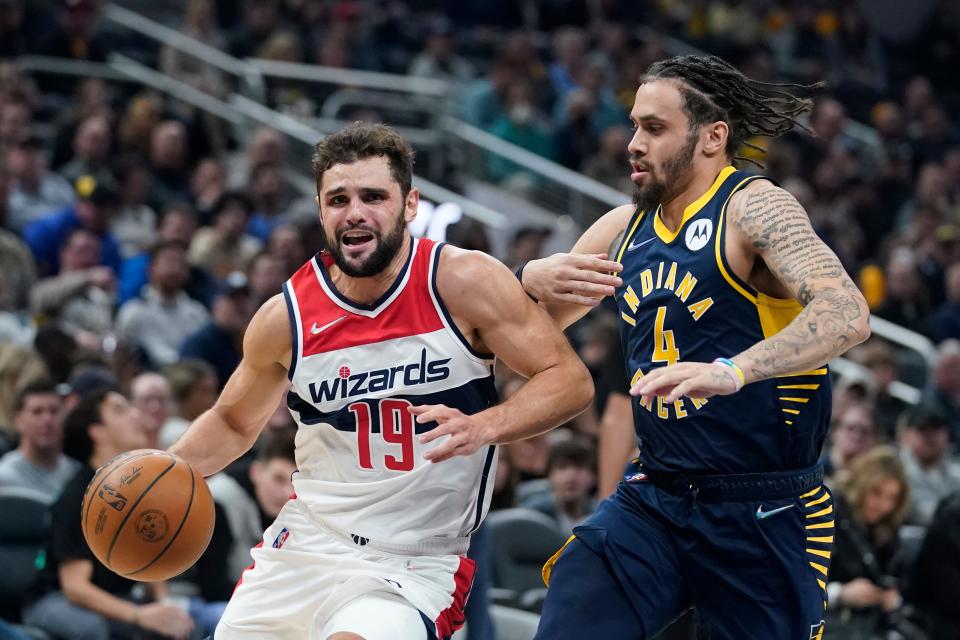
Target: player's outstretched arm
480, 292
231, 426
570, 284
771, 224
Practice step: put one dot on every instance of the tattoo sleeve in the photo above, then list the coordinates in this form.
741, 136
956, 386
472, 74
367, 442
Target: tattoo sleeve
835, 315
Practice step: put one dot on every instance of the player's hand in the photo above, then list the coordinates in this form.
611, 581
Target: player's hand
860, 593
571, 278
467, 434
691, 379
167, 620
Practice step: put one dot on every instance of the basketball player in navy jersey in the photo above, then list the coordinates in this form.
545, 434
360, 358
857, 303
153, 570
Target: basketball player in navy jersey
730, 306
388, 342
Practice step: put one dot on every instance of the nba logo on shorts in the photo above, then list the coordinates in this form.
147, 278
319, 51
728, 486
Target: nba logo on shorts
281, 538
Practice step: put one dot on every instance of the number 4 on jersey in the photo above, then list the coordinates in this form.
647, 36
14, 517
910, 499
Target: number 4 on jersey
396, 427
664, 347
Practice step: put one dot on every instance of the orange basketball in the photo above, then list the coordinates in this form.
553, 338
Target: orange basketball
147, 515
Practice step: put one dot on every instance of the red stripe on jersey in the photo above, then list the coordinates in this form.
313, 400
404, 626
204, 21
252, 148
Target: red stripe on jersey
250, 568
452, 618
325, 326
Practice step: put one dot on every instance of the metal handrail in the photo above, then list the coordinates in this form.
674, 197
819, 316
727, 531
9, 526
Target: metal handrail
309, 135
537, 163
248, 74
905, 337
848, 369
352, 77
69, 67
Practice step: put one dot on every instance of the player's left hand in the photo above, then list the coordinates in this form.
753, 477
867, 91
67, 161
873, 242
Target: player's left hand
691, 379
466, 433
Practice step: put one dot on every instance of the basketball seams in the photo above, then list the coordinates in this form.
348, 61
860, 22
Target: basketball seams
106, 471
186, 514
133, 507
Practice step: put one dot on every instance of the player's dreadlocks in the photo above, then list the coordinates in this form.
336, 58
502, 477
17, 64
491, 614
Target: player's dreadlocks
714, 90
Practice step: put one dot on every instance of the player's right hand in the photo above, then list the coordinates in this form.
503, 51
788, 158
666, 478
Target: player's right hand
467, 434
571, 278
167, 620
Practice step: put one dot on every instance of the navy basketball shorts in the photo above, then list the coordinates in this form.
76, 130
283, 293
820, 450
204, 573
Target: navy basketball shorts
750, 552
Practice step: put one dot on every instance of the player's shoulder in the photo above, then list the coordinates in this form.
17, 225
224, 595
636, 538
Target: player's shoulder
464, 266
268, 337
754, 192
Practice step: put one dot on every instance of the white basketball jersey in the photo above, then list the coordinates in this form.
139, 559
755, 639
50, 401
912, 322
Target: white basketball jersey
355, 370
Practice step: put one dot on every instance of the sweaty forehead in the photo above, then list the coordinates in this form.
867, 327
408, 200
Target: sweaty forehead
368, 173
658, 98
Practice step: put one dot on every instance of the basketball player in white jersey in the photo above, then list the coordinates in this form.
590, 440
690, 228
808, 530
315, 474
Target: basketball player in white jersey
389, 343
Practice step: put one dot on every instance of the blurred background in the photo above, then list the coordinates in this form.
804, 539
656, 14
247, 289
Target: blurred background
155, 189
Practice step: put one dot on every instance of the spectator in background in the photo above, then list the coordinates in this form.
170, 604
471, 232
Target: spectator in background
16, 118
207, 186
86, 600
75, 36
91, 151
38, 462
139, 120
220, 343
177, 225
931, 471
935, 578
80, 298
199, 22
606, 165
439, 59
250, 512
483, 101
575, 138
135, 223
527, 244
523, 126
19, 367
880, 359
286, 244
906, 302
265, 146
854, 432
150, 394
944, 323
942, 393
272, 199
260, 19
865, 579
93, 210
224, 246
34, 191
169, 155
194, 386
571, 471
266, 277
164, 315
17, 269
569, 49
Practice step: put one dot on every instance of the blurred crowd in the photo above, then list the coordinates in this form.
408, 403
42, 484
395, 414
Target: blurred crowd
137, 238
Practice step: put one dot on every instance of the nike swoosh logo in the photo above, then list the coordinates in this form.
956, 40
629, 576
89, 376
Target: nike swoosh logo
315, 329
637, 245
761, 514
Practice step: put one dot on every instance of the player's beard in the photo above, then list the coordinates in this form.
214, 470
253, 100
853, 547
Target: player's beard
379, 259
674, 169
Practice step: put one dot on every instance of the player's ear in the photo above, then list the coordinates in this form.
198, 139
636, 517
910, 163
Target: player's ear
411, 205
714, 136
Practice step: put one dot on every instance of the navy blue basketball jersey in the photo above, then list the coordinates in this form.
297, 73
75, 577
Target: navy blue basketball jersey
681, 302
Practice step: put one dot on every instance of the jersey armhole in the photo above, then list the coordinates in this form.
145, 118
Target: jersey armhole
293, 313
445, 317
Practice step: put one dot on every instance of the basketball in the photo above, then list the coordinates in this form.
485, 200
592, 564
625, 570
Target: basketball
147, 515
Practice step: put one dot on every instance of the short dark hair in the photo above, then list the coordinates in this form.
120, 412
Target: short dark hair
229, 198
278, 444
41, 387
76, 426
362, 140
184, 374
571, 453
164, 245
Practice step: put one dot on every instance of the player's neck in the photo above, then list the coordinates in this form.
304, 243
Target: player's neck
703, 177
368, 290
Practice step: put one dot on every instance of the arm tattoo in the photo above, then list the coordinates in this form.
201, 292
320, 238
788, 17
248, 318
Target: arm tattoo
834, 315
617, 239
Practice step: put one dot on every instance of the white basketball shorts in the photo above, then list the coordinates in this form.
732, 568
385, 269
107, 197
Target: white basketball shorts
307, 583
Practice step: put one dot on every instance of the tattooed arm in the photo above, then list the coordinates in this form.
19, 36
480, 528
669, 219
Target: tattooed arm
771, 224
767, 222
